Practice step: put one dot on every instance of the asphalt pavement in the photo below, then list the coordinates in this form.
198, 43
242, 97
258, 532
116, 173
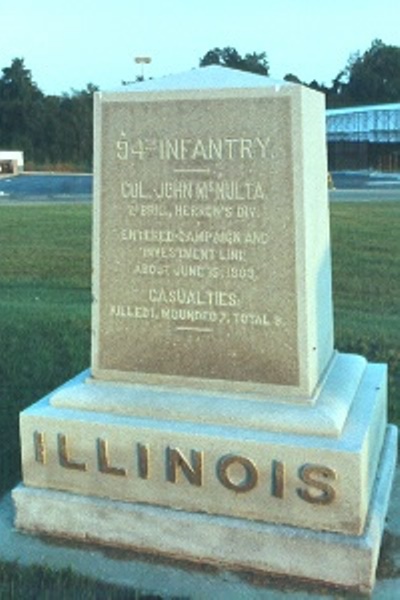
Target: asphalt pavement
365, 186
349, 186
45, 187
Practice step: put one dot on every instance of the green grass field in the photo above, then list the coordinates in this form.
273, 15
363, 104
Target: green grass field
45, 267
45, 294
366, 270
366, 285
41, 583
44, 310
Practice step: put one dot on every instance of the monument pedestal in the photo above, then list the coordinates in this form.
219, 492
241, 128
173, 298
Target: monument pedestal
217, 423
108, 463
330, 558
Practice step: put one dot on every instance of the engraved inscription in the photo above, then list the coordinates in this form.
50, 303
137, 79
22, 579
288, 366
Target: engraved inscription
64, 455
319, 478
235, 473
103, 460
220, 191
189, 149
278, 478
246, 480
143, 451
196, 239
192, 470
39, 444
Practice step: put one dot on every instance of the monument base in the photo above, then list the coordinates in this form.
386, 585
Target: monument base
132, 467
78, 440
332, 558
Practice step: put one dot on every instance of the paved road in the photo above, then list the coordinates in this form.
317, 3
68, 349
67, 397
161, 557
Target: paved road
366, 180
365, 186
364, 195
45, 187
350, 186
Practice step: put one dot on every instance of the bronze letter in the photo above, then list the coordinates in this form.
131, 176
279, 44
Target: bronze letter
103, 460
143, 460
278, 479
311, 475
63, 455
39, 443
251, 474
193, 472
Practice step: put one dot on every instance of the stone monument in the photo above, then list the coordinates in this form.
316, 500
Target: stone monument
216, 423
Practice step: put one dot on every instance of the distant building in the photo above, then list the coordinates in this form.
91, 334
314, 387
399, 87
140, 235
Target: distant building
11, 161
364, 137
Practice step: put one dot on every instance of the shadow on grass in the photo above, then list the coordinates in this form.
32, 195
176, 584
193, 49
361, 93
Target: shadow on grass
41, 583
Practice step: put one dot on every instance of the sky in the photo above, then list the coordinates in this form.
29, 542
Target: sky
67, 45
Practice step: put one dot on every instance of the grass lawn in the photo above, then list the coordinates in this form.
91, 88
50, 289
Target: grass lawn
366, 269
45, 267
45, 270
366, 285
41, 583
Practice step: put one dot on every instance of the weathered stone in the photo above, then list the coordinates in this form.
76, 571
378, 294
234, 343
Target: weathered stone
216, 418
314, 481
345, 560
210, 270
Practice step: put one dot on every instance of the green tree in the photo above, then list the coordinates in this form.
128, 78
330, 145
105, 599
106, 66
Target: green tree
373, 77
16, 82
291, 78
21, 107
77, 110
229, 57
51, 130
318, 87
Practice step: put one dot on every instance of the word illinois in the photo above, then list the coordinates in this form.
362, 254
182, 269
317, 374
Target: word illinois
234, 472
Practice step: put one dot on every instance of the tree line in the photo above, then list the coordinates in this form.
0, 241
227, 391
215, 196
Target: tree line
57, 131
53, 131
369, 78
